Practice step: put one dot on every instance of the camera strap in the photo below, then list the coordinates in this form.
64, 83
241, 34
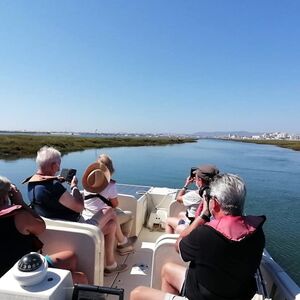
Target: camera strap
203, 189
105, 200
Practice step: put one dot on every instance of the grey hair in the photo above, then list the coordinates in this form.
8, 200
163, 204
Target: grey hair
46, 156
4, 185
230, 191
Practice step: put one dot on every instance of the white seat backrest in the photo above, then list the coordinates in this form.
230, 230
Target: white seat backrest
138, 209
164, 251
85, 240
175, 208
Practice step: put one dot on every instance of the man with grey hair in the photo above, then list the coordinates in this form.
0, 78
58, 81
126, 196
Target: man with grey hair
224, 253
50, 199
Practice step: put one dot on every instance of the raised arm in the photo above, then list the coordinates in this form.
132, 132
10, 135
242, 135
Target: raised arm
200, 220
182, 192
197, 222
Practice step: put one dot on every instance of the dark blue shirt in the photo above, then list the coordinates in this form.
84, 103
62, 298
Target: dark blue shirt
44, 197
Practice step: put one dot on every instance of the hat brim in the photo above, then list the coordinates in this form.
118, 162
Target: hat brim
105, 177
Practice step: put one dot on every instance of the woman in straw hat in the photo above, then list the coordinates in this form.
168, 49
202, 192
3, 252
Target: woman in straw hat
125, 218
95, 180
52, 200
19, 226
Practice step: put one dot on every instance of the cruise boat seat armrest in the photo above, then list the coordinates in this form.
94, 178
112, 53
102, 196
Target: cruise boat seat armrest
127, 202
164, 251
85, 240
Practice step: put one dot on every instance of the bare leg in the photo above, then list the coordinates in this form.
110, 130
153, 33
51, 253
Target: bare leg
79, 277
67, 260
146, 293
125, 219
106, 215
182, 215
180, 228
172, 276
109, 231
171, 224
103, 216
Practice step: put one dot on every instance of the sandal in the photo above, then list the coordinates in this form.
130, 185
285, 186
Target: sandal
125, 251
130, 242
119, 268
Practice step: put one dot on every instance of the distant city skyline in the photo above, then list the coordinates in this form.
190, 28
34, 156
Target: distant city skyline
168, 66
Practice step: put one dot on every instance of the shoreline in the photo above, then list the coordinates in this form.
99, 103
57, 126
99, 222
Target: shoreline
292, 145
25, 146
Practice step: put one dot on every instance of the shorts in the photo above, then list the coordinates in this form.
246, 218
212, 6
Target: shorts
169, 296
91, 221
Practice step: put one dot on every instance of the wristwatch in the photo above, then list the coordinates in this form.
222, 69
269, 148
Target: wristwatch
205, 217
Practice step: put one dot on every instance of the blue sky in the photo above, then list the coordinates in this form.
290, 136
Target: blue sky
150, 66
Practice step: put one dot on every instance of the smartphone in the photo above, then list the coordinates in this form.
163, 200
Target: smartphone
193, 169
68, 174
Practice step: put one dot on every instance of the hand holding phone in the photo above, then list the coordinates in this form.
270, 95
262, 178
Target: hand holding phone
68, 174
192, 174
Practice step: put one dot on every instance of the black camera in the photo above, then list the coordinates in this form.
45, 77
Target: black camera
68, 174
192, 174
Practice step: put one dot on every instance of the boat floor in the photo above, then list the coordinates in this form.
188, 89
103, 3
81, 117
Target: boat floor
139, 263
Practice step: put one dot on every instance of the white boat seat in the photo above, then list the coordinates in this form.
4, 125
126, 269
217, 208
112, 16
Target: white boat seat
85, 240
164, 251
138, 209
175, 208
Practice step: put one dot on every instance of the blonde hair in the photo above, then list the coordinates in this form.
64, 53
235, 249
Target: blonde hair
105, 159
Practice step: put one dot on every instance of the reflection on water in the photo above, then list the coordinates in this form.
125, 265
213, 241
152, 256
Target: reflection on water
272, 175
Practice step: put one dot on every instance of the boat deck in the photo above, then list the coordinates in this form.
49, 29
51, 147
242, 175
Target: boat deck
139, 263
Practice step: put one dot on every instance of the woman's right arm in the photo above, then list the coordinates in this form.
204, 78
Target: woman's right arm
182, 191
26, 219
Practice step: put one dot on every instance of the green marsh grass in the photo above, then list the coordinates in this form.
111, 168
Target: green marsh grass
23, 146
293, 145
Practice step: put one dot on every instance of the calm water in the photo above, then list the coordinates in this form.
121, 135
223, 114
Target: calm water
272, 175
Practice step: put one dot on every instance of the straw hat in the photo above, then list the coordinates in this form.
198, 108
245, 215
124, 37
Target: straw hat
96, 178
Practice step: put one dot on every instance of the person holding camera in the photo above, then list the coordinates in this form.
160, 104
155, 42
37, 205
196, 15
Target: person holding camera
50, 199
19, 227
224, 253
202, 177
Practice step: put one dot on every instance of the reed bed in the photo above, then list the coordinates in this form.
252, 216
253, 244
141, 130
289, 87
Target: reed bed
293, 145
23, 146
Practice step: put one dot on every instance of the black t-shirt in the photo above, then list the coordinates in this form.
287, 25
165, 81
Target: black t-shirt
14, 244
45, 195
221, 268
